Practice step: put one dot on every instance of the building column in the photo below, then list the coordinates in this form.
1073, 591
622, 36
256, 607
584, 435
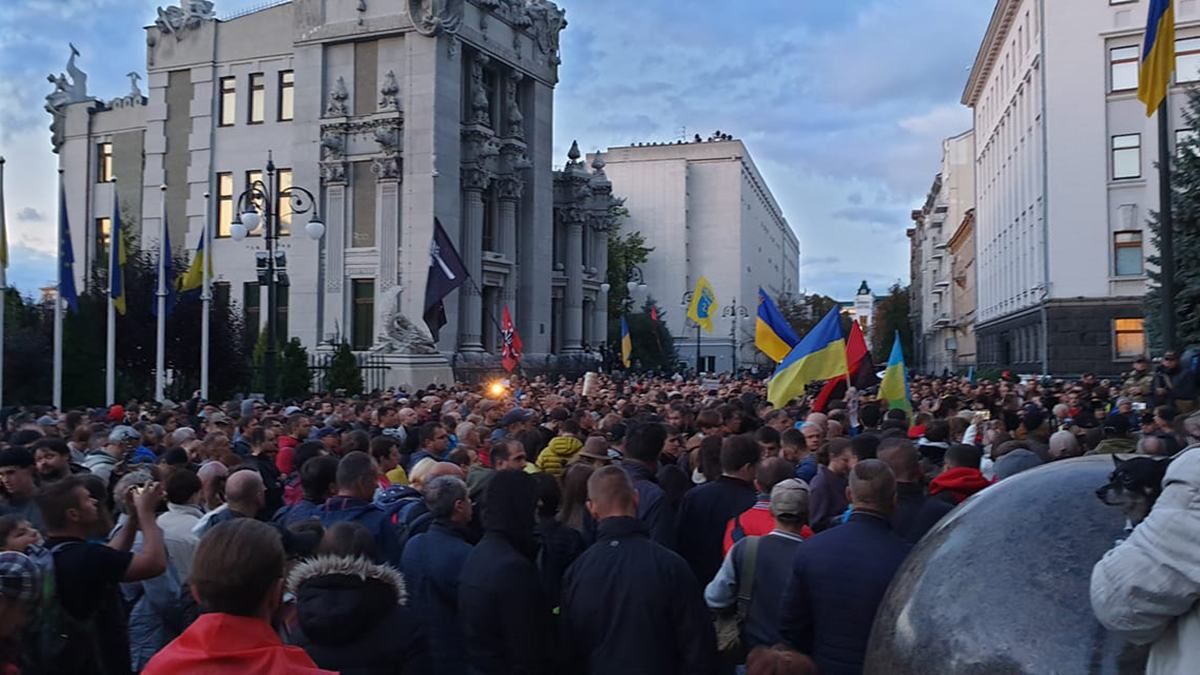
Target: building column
573, 295
509, 190
336, 316
470, 246
600, 326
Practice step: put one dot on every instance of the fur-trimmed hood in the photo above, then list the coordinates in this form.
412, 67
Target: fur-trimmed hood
340, 599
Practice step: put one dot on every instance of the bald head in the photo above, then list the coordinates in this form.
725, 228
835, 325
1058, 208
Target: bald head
444, 469
902, 458
245, 492
611, 494
873, 487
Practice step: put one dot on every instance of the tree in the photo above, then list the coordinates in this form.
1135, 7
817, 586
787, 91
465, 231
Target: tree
804, 313
624, 252
344, 374
891, 315
653, 344
295, 379
1185, 211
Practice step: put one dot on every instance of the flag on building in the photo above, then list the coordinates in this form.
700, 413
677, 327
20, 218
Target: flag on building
1158, 54
894, 387
446, 273
773, 335
192, 281
511, 346
861, 367
703, 305
66, 256
820, 355
116, 260
626, 344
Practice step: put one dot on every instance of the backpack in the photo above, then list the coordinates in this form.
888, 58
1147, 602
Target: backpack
56, 641
728, 624
396, 498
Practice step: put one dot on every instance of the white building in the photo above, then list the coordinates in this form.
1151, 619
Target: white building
393, 114
706, 211
950, 197
1065, 178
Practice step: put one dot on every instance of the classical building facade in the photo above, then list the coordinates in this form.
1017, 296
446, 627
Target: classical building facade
1065, 179
951, 195
961, 248
394, 114
706, 211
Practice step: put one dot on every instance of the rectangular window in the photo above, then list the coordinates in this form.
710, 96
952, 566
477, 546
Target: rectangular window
104, 162
251, 302
1127, 156
362, 322
224, 203
258, 99
362, 224
1187, 59
1127, 252
366, 77
1129, 339
228, 90
287, 95
103, 236
283, 205
251, 178
1123, 68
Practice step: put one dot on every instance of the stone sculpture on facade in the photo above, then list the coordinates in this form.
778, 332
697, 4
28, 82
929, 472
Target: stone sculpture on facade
480, 106
547, 21
400, 334
333, 156
389, 93
388, 166
516, 121
338, 95
431, 17
187, 16
68, 88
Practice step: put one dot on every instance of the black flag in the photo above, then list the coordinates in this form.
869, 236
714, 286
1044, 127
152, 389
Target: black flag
446, 273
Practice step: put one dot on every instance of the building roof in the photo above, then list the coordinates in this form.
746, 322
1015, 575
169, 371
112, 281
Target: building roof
989, 49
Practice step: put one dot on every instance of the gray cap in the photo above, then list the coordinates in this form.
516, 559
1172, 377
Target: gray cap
122, 433
1014, 462
789, 500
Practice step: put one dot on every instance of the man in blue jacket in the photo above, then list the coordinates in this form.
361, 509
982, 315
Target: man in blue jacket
839, 576
357, 478
643, 444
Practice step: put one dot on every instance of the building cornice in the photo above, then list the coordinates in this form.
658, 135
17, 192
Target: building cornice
989, 49
964, 230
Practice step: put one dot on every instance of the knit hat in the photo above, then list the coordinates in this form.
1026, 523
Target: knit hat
789, 499
20, 578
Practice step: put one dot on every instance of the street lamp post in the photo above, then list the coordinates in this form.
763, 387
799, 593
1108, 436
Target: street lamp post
259, 205
734, 312
686, 302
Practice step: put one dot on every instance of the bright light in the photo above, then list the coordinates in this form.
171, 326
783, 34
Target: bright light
496, 389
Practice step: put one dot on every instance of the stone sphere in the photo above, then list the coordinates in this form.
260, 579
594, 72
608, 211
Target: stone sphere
1000, 585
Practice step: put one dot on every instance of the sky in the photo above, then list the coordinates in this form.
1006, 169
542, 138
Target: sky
843, 105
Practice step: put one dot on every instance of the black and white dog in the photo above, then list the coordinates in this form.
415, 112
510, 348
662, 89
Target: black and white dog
1134, 486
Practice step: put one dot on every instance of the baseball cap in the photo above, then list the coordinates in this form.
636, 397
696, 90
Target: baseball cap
515, 415
116, 413
291, 410
46, 421
20, 578
325, 432
789, 499
122, 433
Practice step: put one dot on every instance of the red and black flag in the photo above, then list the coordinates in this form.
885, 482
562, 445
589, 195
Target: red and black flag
862, 370
510, 340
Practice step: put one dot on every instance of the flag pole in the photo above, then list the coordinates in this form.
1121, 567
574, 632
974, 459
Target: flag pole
160, 362
1166, 237
205, 301
3, 278
57, 386
110, 343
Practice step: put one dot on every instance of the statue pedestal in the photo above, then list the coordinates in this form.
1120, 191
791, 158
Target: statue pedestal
410, 372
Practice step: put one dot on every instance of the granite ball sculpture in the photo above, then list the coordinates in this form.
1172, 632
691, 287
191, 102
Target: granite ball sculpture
1000, 585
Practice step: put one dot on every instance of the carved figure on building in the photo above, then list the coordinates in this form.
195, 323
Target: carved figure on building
401, 335
333, 156
516, 121
68, 88
134, 90
187, 16
546, 22
480, 106
431, 17
338, 95
389, 165
389, 93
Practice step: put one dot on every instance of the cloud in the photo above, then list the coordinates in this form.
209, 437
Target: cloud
818, 261
30, 214
869, 214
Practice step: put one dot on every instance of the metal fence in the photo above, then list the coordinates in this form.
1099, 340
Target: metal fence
373, 367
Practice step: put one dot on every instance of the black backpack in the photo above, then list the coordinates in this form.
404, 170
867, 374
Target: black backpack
56, 641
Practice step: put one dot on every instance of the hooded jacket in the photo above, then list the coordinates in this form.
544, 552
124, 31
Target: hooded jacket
432, 565
561, 450
958, 483
353, 617
340, 509
224, 643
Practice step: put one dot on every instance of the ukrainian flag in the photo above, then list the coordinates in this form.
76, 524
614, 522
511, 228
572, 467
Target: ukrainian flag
773, 335
626, 343
193, 279
116, 260
821, 355
1158, 55
703, 305
894, 387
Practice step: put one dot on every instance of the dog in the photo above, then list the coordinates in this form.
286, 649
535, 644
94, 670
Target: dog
1134, 485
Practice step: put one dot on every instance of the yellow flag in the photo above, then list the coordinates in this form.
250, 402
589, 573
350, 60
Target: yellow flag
704, 305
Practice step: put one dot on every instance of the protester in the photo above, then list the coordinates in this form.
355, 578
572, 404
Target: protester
708, 508
52, 458
757, 520
630, 605
560, 450
357, 478
238, 581
915, 513
643, 445
318, 479
183, 513
779, 660
245, 495
828, 502
262, 457
961, 477
20, 486
20, 593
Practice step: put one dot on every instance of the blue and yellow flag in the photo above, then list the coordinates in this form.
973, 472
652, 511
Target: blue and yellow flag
626, 344
821, 355
116, 260
1158, 54
773, 335
894, 387
66, 256
704, 305
192, 281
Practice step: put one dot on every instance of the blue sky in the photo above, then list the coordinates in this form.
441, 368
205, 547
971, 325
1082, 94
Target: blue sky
843, 104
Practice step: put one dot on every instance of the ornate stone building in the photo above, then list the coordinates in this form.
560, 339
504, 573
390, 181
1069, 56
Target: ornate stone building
394, 114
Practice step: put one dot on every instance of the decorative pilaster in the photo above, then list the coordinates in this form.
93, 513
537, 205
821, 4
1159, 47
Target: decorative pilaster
573, 296
470, 321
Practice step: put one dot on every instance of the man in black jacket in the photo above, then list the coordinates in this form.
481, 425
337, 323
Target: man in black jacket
915, 512
643, 445
707, 509
629, 605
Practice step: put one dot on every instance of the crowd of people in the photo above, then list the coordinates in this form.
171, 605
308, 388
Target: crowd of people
646, 526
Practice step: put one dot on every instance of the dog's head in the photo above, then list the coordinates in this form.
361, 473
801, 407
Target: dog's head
1134, 486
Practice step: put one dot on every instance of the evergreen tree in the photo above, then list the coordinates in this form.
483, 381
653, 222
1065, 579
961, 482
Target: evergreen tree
891, 315
624, 252
653, 344
294, 377
1185, 210
344, 376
